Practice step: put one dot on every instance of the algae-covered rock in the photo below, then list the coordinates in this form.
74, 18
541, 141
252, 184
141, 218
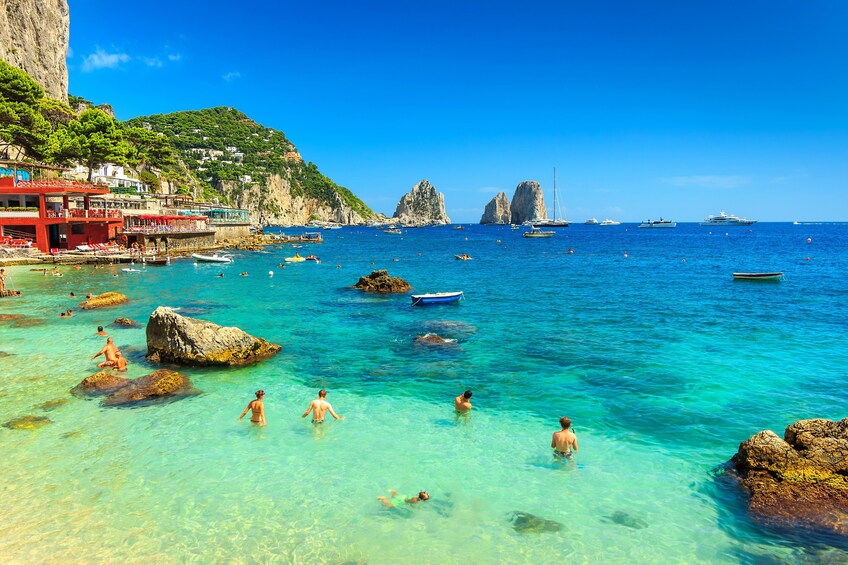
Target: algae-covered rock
101, 382
10, 317
126, 322
433, 340
159, 384
53, 404
381, 282
624, 519
27, 423
103, 300
525, 522
4, 354
187, 341
27, 322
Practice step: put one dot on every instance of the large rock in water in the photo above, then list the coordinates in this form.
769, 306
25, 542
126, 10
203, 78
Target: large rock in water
528, 203
801, 479
101, 382
497, 210
103, 300
422, 206
382, 282
156, 385
177, 339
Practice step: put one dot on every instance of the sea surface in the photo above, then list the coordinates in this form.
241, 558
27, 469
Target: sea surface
641, 337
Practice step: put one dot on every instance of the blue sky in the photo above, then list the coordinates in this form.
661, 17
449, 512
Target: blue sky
646, 109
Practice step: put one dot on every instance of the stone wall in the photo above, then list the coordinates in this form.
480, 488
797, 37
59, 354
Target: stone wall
182, 241
230, 231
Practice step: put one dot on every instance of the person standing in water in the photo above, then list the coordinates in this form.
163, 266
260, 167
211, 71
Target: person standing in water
564, 442
257, 409
109, 350
462, 403
319, 407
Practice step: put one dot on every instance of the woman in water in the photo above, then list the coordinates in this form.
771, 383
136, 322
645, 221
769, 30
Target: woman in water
257, 408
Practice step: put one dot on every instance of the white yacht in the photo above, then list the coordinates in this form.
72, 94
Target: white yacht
610, 223
727, 220
591, 222
556, 222
658, 224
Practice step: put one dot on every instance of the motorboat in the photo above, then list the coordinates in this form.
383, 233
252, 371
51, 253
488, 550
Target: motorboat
513, 226
460, 227
723, 219
536, 232
757, 276
393, 231
610, 223
658, 224
162, 261
436, 298
463, 257
591, 222
214, 258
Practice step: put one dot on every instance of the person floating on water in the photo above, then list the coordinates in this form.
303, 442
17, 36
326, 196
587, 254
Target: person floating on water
462, 402
257, 409
100, 331
564, 441
318, 407
394, 500
109, 350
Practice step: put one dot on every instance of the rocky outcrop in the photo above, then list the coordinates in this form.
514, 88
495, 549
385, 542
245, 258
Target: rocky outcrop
103, 300
422, 206
528, 203
497, 210
101, 382
381, 282
186, 341
801, 479
433, 340
34, 37
125, 322
156, 385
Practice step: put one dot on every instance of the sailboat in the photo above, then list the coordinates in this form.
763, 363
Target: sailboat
556, 222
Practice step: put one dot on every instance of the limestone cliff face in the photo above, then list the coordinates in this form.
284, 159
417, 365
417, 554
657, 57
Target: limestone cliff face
422, 206
275, 204
497, 210
34, 37
528, 202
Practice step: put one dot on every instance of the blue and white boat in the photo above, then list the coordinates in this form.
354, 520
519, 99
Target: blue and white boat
436, 298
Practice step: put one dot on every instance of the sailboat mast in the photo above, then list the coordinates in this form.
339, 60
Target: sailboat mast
555, 196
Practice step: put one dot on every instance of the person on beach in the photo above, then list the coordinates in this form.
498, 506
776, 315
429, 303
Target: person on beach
257, 409
2, 280
564, 442
319, 407
394, 500
120, 361
462, 403
100, 331
109, 350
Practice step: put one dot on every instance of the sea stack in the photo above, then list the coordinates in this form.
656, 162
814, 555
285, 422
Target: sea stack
422, 206
528, 203
497, 210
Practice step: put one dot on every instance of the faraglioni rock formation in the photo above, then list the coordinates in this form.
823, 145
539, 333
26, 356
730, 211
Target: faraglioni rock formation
34, 37
381, 282
187, 341
422, 206
528, 203
497, 210
103, 300
801, 479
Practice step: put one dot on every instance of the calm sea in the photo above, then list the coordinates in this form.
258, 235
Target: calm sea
661, 360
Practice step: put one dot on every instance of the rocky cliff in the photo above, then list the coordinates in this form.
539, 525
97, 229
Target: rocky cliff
528, 202
497, 210
34, 37
422, 206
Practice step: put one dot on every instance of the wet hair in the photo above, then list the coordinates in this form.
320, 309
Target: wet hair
467, 394
322, 393
100, 328
565, 422
422, 495
260, 393
72, 294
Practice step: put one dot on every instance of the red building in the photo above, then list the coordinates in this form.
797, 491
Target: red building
52, 213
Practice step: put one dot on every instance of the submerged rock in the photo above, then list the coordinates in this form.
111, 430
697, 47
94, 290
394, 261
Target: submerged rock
101, 382
27, 423
4, 354
126, 322
624, 519
53, 404
10, 317
801, 479
382, 282
103, 300
187, 341
525, 522
156, 385
26, 322
497, 210
433, 339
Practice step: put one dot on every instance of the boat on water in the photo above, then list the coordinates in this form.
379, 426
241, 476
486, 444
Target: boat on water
459, 227
723, 219
131, 270
536, 232
556, 222
295, 259
591, 222
658, 224
758, 276
214, 258
436, 298
393, 231
610, 223
162, 261
463, 257
513, 226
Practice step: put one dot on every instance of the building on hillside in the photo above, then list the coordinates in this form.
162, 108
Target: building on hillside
113, 176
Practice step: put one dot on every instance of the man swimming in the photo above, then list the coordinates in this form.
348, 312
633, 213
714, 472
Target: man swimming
564, 440
318, 407
257, 409
109, 350
395, 500
100, 331
462, 403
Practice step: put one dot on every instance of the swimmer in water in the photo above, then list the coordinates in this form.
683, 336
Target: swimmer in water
257, 409
394, 500
109, 350
319, 407
120, 361
100, 331
564, 442
462, 403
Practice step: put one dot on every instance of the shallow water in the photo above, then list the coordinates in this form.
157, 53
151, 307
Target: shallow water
664, 365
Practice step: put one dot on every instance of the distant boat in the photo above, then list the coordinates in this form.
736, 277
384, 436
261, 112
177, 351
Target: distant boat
436, 298
395, 231
515, 226
723, 219
131, 270
610, 223
214, 258
591, 222
556, 222
463, 257
459, 227
158, 262
535, 232
658, 224
757, 276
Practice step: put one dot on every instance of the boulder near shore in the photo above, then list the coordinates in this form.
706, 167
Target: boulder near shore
800, 480
172, 338
121, 391
103, 300
383, 283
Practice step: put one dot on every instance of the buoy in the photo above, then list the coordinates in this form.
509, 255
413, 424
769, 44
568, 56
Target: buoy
270, 273
808, 258
625, 254
809, 240
499, 241
684, 260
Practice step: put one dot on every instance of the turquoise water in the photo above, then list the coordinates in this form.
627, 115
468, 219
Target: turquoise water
664, 365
